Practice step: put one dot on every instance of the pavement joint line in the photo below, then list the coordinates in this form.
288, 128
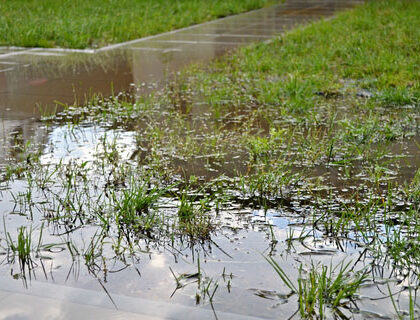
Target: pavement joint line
9, 63
47, 53
228, 35
234, 24
198, 42
164, 50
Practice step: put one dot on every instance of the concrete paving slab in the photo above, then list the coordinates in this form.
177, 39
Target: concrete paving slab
3, 295
43, 300
22, 306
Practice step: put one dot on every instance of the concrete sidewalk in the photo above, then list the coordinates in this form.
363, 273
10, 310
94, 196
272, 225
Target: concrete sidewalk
43, 300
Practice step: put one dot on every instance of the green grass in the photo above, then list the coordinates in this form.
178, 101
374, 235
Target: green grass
370, 47
323, 287
134, 208
95, 23
193, 219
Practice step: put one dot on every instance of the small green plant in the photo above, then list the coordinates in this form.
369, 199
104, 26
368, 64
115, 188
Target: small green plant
133, 207
193, 218
322, 287
24, 248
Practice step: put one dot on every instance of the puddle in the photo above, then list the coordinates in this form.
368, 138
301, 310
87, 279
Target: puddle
81, 144
71, 189
228, 267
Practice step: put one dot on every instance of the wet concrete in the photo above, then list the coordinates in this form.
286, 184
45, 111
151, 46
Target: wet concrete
63, 302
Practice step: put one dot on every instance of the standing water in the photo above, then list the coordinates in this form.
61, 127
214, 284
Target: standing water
100, 218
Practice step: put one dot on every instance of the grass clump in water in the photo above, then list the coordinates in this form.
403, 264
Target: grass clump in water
323, 287
134, 208
193, 217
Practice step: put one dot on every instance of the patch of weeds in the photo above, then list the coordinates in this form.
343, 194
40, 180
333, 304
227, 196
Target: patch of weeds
399, 96
261, 147
193, 217
27, 248
268, 187
134, 209
369, 130
25, 158
413, 190
22, 248
399, 242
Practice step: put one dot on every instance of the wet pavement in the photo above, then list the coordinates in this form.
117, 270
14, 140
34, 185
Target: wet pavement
33, 80
63, 302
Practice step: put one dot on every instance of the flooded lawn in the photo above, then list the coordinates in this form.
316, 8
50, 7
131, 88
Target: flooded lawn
233, 188
103, 207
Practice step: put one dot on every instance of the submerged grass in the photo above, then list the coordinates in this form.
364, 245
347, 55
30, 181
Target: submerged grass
82, 24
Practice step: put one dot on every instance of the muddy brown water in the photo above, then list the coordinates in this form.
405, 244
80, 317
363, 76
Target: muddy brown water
243, 283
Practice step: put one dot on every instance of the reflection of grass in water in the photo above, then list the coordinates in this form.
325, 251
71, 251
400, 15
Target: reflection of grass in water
75, 64
81, 24
27, 247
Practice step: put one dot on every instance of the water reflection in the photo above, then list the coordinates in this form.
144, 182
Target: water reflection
231, 258
33, 80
